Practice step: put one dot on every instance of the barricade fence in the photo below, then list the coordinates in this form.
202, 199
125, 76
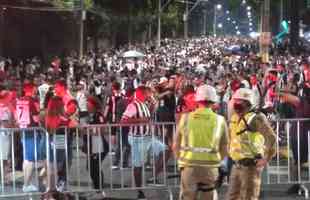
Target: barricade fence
88, 158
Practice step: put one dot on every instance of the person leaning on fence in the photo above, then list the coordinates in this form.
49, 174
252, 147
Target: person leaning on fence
6, 121
96, 146
252, 146
54, 121
139, 138
298, 134
201, 142
27, 115
70, 106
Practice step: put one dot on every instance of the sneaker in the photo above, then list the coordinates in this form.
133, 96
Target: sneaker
98, 195
153, 181
293, 189
141, 196
30, 188
125, 165
61, 186
114, 167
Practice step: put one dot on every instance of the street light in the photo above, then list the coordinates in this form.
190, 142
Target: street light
251, 24
249, 13
216, 8
243, 1
227, 12
234, 22
220, 25
187, 13
238, 32
228, 19
2, 27
248, 8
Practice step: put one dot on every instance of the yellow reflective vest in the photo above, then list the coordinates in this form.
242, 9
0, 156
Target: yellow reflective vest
243, 142
201, 132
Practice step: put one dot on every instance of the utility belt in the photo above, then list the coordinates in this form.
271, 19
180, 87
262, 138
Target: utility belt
248, 162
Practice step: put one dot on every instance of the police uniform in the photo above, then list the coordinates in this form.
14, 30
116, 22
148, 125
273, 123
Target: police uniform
251, 138
203, 140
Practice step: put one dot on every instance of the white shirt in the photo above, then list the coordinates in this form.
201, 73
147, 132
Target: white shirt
42, 93
81, 98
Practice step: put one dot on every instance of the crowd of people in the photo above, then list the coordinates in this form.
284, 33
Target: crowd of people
106, 88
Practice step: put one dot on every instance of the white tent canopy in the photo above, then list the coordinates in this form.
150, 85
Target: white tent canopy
133, 54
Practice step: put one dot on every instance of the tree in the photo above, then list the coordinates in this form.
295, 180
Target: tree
73, 3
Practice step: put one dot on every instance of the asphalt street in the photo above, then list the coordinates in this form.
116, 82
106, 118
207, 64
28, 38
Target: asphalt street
120, 189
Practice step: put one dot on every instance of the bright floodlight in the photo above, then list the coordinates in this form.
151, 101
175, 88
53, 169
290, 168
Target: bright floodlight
237, 27
220, 25
243, 1
251, 24
249, 13
234, 22
254, 35
228, 19
227, 12
248, 8
219, 6
238, 33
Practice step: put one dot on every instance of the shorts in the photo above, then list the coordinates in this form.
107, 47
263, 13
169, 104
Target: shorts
140, 146
32, 141
63, 155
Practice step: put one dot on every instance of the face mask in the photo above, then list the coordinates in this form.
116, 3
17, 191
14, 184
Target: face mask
238, 107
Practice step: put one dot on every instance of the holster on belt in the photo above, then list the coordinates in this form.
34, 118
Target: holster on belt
247, 162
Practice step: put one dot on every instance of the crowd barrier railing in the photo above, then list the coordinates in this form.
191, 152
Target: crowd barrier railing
291, 163
71, 156
83, 160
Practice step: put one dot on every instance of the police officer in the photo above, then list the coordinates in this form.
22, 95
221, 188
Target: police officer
201, 142
252, 146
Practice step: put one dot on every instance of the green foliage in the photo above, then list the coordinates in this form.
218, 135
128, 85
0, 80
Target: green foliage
73, 3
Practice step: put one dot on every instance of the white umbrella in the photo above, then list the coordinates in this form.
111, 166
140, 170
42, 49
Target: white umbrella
133, 54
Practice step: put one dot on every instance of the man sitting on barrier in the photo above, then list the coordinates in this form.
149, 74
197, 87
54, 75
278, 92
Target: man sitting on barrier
252, 146
201, 142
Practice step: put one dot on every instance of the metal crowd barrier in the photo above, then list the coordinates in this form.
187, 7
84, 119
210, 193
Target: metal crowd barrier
75, 149
291, 164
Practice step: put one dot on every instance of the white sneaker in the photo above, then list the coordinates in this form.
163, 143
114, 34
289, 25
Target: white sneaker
61, 186
98, 195
115, 167
30, 188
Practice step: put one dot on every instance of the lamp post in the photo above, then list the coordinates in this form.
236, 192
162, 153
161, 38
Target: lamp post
265, 36
2, 11
82, 19
187, 13
205, 22
185, 19
159, 24
216, 8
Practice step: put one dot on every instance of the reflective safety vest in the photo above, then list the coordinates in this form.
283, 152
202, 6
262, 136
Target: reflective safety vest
245, 143
201, 132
